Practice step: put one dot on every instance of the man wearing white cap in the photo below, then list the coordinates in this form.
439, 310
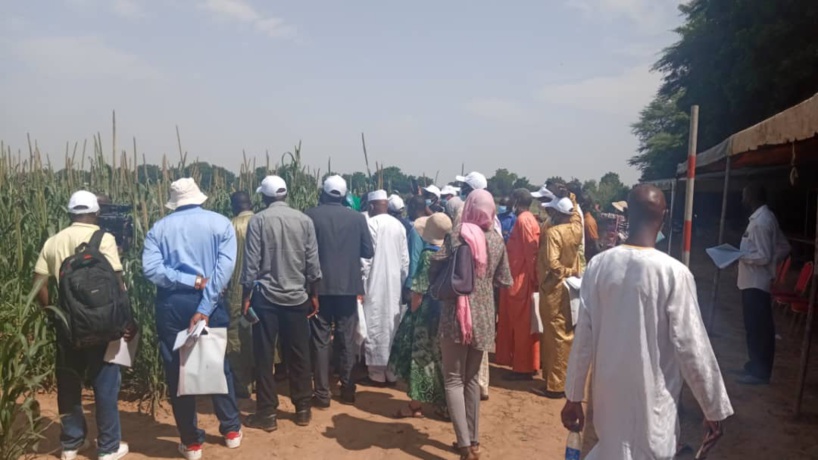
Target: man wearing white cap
396, 207
383, 276
432, 196
557, 260
343, 240
73, 364
190, 255
447, 193
280, 273
472, 181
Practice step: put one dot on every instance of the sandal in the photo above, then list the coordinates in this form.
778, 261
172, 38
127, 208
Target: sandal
466, 453
409, 412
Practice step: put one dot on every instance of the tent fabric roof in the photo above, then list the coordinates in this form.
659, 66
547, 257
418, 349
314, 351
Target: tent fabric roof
797, 123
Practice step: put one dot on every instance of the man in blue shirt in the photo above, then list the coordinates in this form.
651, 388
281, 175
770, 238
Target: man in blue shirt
190, 255
507, 217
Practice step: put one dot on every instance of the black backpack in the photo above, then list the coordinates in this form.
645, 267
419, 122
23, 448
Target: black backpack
97, 310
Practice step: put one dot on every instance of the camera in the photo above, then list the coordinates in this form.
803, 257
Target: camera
116, 219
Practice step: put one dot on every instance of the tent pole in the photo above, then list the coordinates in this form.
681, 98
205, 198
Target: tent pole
670, 219
691, 183
807, 341
711, 323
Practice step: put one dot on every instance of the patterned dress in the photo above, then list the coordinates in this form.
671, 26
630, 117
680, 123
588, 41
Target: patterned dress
482, 298
415, 355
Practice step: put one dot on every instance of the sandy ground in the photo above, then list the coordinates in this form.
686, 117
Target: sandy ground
515, 423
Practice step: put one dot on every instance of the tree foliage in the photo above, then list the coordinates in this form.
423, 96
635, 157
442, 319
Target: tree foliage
741, 61
662, 133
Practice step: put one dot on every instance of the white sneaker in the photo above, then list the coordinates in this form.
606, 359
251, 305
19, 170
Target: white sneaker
72, 454
233, 439
191, 452
123, 451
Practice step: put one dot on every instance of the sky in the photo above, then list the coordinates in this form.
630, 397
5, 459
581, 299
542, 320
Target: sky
542, 88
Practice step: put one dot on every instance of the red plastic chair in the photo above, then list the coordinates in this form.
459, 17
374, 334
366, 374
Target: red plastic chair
781, 277
786, 298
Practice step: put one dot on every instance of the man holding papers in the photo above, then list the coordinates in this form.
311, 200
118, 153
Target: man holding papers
763, 245
189, 255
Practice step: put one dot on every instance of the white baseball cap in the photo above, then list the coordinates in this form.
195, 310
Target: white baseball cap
396, 203
474, 179
83, 202
273, 187
335, 186
449, 190
185, 192
433, 190
543, 192
377, 195
563, 205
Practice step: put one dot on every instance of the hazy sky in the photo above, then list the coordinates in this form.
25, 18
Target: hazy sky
542, 88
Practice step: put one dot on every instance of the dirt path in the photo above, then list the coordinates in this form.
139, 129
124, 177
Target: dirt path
515, 424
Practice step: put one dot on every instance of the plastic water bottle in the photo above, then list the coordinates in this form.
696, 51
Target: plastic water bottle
573, 447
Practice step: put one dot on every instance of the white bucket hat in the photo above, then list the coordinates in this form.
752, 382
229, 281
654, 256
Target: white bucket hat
185, 192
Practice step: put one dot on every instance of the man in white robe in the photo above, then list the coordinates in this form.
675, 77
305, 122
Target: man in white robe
641, 330
384, 276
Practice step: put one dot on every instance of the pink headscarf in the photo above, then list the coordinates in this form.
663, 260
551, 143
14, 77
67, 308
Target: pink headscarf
476, 220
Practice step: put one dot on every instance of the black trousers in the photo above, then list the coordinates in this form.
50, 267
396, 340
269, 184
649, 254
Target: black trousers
760, 329
343, 312
293, 326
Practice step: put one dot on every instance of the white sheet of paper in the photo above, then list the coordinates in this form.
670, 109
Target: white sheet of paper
724, 255
185, 338
122, 352
573, 285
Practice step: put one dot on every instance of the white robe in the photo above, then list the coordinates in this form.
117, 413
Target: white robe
384, 276
641, 330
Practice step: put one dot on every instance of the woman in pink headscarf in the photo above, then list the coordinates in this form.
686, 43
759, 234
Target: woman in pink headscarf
467, 325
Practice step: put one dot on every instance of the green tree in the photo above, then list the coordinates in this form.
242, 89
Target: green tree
502, 183
741, 61
662, 132
611, 189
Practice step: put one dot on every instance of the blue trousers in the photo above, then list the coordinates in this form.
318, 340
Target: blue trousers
72, 366
173, 312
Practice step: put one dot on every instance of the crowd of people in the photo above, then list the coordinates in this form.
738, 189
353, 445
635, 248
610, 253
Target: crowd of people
306, 294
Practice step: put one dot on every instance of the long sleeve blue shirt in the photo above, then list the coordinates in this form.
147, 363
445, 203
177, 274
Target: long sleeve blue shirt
191, 242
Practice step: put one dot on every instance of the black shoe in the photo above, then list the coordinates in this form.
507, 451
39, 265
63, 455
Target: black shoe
319, 403
368, 382
347, 397
267, 423
303, 417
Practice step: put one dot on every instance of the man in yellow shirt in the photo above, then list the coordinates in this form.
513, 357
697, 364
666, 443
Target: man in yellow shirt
72, 365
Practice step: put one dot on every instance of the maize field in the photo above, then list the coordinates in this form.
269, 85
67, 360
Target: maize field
33, 196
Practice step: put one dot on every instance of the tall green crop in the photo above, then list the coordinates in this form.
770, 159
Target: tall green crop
33, 196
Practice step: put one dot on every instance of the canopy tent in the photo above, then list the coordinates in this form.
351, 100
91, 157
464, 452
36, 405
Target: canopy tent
795, 129
786, 140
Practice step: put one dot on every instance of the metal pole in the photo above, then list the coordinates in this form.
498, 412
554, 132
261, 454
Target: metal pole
807, 341
691, 183
715, 294
672, 206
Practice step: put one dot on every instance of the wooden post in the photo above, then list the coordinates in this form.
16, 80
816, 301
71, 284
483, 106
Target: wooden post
691, 183
715, 294
807, 341
670, 216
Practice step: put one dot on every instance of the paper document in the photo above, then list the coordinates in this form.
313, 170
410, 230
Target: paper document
725, 255
186, 339
573, 285
122, 352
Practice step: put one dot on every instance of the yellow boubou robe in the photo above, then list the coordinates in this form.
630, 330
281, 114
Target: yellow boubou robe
557, 260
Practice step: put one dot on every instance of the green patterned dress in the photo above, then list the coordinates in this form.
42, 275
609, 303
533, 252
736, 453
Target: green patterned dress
415, 355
